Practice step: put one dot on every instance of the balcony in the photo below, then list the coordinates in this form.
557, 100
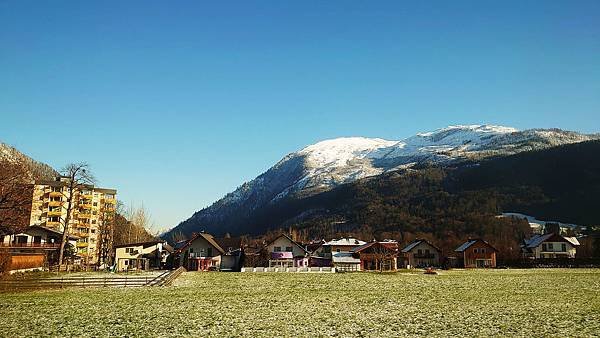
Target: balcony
54, 213
52, 224
85, 215
82, 244
55, 203
86, 196
50, 246
86, 206
109, 200
55, 194
81, 234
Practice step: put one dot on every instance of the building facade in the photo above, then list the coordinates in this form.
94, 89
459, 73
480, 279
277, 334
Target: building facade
91, 216
142, 256
284, 252
421, 254
477, 253
550, 245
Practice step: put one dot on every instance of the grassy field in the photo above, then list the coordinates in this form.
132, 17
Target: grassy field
536, 303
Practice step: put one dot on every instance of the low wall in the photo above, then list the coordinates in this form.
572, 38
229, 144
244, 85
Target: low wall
306, 270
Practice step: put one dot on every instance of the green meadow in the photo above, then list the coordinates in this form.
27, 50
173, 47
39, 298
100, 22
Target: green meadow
543, 302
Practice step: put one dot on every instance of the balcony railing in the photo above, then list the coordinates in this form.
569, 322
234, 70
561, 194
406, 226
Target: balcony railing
85, 206
55, 203
30, 245
82, 244
55, 194
55, 213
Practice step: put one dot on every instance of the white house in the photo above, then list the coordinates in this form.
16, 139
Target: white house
550, 245
141, 256
286, 253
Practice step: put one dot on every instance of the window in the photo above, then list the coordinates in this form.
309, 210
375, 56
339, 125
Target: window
128, 250
93, 231
482, 250
191, 250
288, 248
550, 247
544, 247
563, 247
126, 262
95, 204
277, 249
337, 250
419, 251
209, 252
475, 250
427, 251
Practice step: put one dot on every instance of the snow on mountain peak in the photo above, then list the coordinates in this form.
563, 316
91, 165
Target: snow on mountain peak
337, 152
326, 164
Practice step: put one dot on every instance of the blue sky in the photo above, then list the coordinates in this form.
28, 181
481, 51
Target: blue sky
177, 103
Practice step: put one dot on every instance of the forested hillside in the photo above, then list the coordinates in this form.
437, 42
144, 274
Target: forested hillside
447, 204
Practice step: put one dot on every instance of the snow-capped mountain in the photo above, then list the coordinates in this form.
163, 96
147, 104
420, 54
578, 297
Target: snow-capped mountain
327, 164
35, 169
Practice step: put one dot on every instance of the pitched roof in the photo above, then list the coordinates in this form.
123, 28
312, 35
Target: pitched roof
417, 242
345, 242
344, 257
537, 240
232, 242
313, 246
207, 237
291, 240
470, 242
43, 228
388, 244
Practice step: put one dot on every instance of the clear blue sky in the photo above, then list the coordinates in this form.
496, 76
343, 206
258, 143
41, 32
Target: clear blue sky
177, 103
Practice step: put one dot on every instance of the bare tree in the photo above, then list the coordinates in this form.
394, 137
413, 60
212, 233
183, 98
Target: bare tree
106, 234
384, 256
77, 176
131, 225
15, 196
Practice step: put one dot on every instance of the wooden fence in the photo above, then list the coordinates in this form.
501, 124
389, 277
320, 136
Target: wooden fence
164, 279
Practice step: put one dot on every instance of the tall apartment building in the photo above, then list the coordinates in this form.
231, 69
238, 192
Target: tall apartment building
92, 211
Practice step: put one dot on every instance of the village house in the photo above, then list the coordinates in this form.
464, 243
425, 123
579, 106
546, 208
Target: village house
317, 255
142, 256
477, 253
420, 254
35, 246
284, 252
377, 256
203, 252
341, 255
551, 245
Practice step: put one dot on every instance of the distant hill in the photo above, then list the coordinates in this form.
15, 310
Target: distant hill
447, 204
307, 175
36, 170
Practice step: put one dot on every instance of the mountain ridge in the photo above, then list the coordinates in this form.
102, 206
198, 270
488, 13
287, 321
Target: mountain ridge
330, 163
36, 170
